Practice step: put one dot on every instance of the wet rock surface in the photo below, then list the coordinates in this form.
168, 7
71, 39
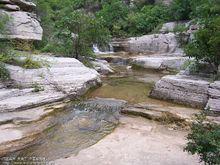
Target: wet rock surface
102, 66
136, 141
66, 131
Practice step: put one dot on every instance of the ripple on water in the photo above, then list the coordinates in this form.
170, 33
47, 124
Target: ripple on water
76, 128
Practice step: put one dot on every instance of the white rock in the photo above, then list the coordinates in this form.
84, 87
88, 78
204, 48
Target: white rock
154, 43
182, 89
66, 77
22, 25
168, 27
214, 97
10, 7
102, 66
162, 43
160, 63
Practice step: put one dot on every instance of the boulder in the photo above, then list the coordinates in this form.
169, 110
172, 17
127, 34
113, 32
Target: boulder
102, 67
160, 62
214, 97
170, 26
65, 78
154, 43
182, 89
22, 25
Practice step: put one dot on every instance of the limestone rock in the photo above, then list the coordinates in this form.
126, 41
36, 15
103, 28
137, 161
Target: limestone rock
23, 25
214, 97
24, 5
182, 89
9, 7
161, 113
168, 27
160, 63
154, 43
102, 67
65, 78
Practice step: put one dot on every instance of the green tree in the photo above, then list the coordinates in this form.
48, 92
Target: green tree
181, 9
204, 140
205, 45
114, 14
79, 30
147, 19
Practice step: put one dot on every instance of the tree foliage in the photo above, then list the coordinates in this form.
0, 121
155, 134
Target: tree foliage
205, 45
81, 31
204, 140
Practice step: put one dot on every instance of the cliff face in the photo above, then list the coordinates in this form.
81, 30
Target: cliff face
23, 23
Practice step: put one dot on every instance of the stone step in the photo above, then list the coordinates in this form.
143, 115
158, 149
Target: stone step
170, 114
30, 100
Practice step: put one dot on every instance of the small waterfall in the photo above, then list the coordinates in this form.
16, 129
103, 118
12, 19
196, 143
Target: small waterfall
108, 50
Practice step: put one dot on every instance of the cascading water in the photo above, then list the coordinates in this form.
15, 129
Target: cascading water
108, 50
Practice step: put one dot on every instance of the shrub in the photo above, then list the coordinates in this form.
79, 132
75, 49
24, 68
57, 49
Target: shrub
147, 19
204, 140
181, 9
29, 63
78, 30
4, 73
206, 44
114, 15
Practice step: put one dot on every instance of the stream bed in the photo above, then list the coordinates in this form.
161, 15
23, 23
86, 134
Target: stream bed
84, 124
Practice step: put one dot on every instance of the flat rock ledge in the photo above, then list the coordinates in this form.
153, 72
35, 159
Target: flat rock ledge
64, 78
188, 90
171, 115
153, 43
160, 62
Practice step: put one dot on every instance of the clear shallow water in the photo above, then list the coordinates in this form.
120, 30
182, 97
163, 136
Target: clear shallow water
76, 128
84, 124
131, 85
